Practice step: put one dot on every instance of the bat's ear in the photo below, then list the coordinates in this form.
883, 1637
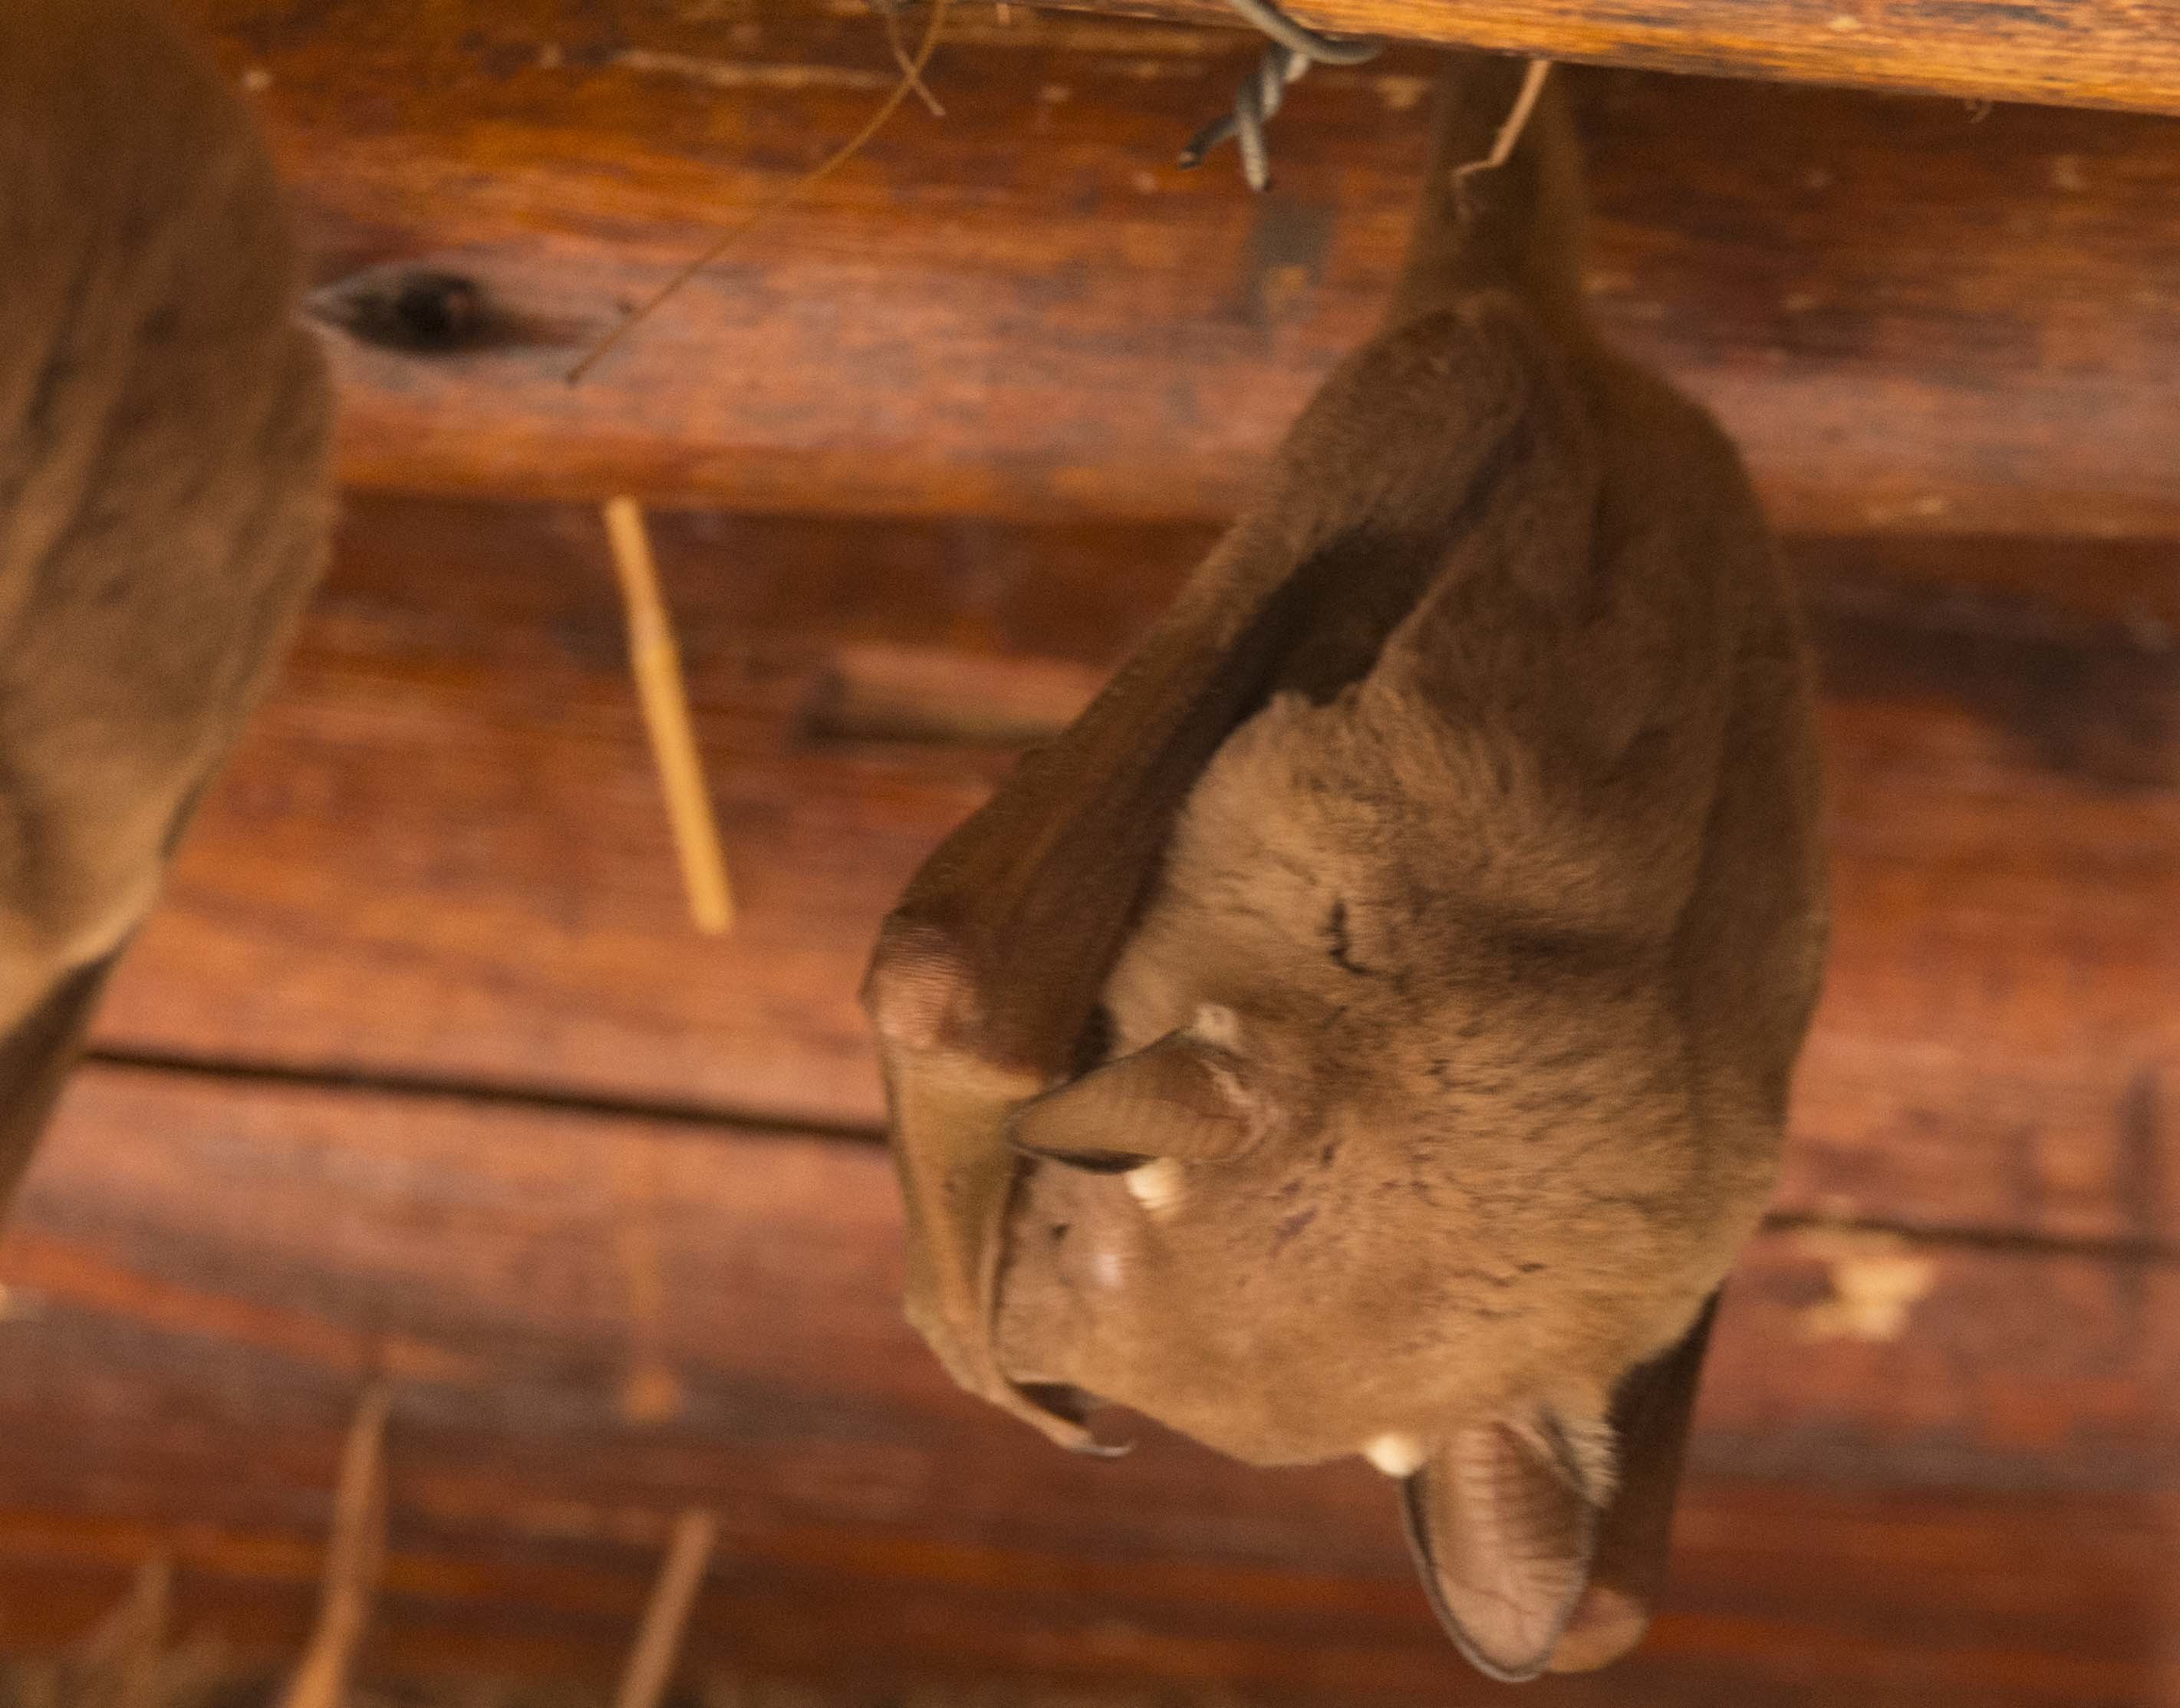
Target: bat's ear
1181, 1098
1503, 1518
1543, 1545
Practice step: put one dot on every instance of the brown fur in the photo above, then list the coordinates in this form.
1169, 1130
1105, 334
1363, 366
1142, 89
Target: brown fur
1451, 1021
164, 427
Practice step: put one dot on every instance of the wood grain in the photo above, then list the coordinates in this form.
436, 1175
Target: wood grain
1795, 1597
1914, 314
2104, 53
439, 854
1972, 1502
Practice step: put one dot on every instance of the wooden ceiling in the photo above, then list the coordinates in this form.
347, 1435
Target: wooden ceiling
421, 1068
2074, 53
1914, 314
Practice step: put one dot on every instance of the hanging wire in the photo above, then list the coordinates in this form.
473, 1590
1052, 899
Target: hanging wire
1292, 50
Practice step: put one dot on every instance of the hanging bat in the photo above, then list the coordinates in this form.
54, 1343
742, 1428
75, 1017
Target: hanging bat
165, 423
1368, 1030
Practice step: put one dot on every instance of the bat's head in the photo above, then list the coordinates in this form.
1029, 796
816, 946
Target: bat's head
1367, 1170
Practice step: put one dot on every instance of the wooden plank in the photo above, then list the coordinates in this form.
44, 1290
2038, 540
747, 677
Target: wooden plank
439, 854
1911, 314
1969, 1498
2104, 53
2005, 795
1795, 1597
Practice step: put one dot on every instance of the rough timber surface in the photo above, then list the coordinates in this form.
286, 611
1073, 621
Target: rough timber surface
1930, 1472
1914, 313
2098, 53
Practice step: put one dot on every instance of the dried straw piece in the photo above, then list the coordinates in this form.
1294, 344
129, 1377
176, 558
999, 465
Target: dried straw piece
658, 1643
657, 661
119, 1665
355, 1555
152, 1607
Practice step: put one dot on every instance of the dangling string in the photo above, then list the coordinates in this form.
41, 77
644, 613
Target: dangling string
1510, 128
911, 80
1292, 51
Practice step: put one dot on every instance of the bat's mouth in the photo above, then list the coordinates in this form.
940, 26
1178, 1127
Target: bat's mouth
1073, 1407
1063, 1400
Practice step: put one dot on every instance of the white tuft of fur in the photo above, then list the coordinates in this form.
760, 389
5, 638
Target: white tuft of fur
1156, 1185
1399, 1457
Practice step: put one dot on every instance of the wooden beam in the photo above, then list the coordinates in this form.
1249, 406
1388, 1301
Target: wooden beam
1932, 1471
439, 854
1911, 314
1797, 1596
2101, 53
